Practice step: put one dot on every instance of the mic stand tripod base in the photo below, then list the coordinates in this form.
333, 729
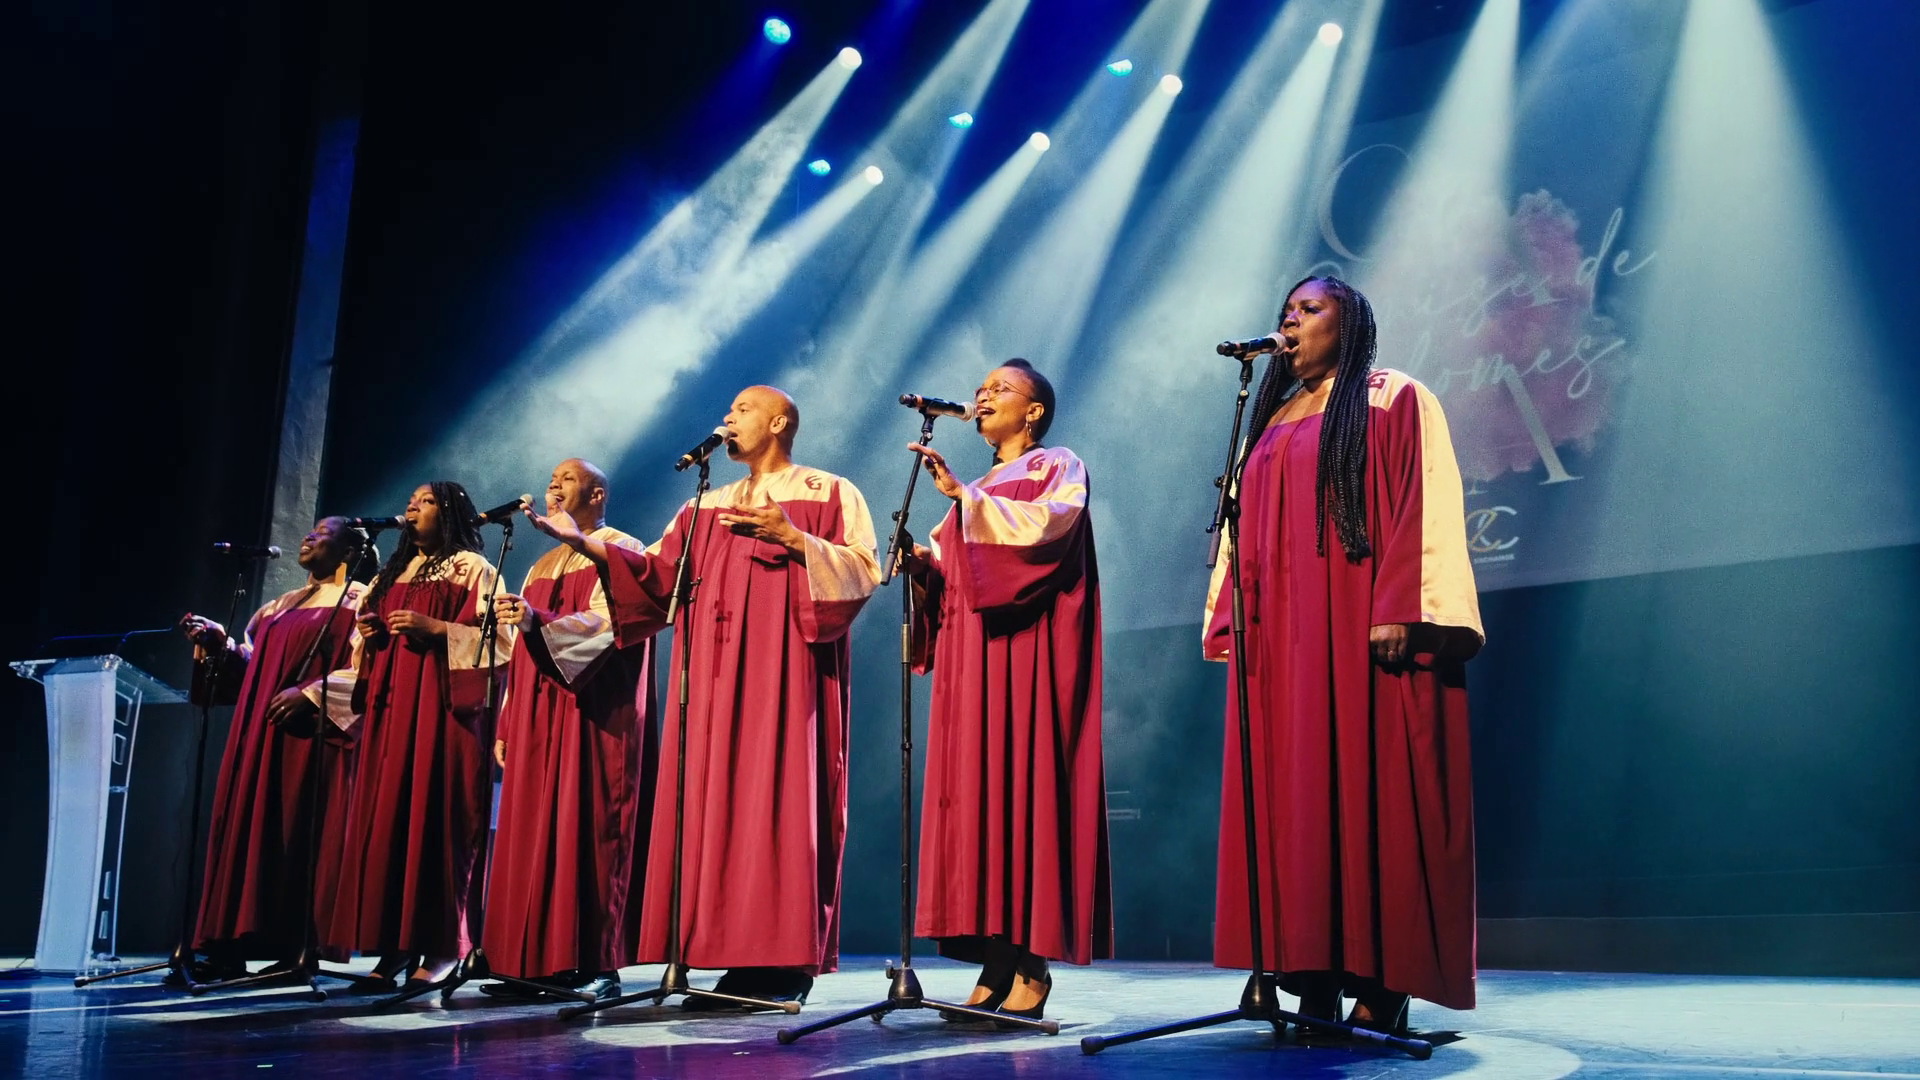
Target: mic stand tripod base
674, 981
905, 993
1258, 1003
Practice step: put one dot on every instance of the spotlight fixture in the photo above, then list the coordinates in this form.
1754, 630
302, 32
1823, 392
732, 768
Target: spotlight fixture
874, 175
1171, 85
777, 31
819, 166
1120, 67
1330, 33
1039, 141
850, 58
961, 120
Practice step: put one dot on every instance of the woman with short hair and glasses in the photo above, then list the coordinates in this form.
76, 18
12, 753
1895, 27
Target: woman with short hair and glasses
1013, 829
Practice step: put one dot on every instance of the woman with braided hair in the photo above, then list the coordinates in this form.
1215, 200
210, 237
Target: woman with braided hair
1361, 613
417, 823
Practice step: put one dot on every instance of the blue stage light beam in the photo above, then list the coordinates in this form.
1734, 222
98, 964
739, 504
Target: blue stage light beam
1053, 246
1121, 68
1159, 39
777, 31
1761, 418
1446, 221
589, 374
840, 371
1224, 228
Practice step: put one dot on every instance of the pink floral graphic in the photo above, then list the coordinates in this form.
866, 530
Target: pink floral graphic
1517, 353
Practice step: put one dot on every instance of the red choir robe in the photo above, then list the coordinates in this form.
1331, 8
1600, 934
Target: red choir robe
1363, 793
767, 723
262, 862
581, 739
1013, 821
416, 825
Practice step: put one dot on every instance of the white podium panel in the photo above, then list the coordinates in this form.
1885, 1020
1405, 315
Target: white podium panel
93, 713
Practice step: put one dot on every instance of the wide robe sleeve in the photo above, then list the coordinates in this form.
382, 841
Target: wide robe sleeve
841, 569
334, 693
570, 648
1017, 549
1216, 624
638, 583
1422, 572
470, 667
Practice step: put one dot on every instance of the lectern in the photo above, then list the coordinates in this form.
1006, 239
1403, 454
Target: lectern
93, 712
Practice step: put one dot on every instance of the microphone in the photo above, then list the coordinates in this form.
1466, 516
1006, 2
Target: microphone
504, 511
933, 406
1250, 347
699, 454
375, 524
247, 551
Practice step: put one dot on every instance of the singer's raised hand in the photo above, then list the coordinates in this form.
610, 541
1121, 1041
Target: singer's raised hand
561, 526
204, 632
768, 523
943, 477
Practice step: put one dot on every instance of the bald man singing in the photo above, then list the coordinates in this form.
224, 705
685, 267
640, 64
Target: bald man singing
577, 744
784, 560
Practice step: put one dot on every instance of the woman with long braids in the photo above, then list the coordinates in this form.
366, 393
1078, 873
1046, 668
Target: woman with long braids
1013, 826
417, 823
1361, 612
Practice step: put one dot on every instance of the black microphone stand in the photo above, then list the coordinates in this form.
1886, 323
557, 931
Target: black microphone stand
474, 964
1259, 1001
674, 980
904, 991
180, 963
306, 966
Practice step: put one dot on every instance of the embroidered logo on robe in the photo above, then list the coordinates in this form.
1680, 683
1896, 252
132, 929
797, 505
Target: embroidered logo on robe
813, 483
1377, 381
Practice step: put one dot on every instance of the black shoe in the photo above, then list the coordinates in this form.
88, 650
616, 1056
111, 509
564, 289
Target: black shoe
1386, 1013
1035, 1011
785, 984
995, 997
602, 987
207, 971
386, 976
517, 991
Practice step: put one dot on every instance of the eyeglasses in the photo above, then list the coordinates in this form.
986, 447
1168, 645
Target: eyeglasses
994, 390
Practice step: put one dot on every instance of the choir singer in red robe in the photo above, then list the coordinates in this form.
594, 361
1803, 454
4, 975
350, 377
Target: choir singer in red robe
417, 823
1361, 611
576, 747
783, 559
258, 894
1013, 822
